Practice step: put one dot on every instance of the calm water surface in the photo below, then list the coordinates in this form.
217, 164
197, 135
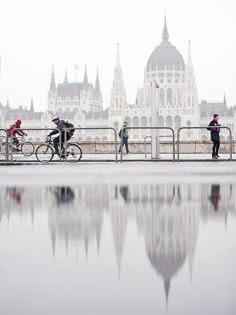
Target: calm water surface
135, 249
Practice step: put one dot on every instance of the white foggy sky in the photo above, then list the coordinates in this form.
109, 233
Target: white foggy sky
36, 34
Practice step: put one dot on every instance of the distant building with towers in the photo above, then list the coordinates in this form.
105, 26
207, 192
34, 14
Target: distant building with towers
82, 102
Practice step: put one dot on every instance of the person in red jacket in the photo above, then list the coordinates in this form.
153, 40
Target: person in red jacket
12, 132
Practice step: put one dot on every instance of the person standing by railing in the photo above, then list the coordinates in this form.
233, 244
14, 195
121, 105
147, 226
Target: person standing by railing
125, 134
215, 136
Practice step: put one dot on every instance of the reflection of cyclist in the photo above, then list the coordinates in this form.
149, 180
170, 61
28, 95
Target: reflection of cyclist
12, 132
61, 125
63, 194
15, 193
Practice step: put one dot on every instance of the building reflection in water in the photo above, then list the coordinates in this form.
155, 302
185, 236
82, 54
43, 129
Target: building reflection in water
167, 216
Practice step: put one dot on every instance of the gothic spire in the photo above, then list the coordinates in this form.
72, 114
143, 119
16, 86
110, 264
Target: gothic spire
66, 76
85, 76
97, 85
225, 99
53, 82
117, 56
189, 58
32, 105
165, 34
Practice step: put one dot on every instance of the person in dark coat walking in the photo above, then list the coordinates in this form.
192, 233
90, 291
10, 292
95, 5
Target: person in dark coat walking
125, 134
215, 136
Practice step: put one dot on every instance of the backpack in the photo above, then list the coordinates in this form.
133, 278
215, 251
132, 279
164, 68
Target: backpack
70, 125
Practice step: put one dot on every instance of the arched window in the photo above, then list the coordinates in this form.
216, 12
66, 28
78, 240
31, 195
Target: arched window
162, 97
144, 121
96, 138
135, 122
104, 138
179, 97
177, 122
127, 118
161, 121
188, 130
189, 101
116, 125
89, 139
169, 96
169, 122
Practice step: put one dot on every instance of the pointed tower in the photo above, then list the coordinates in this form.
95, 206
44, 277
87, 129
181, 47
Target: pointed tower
118, 101
53, 82
32, 105
52, 94
225, 102
85, 82
66, 81
191, 110
97, 86
165, 34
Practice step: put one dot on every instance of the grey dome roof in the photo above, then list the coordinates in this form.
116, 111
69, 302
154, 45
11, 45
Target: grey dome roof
165, 55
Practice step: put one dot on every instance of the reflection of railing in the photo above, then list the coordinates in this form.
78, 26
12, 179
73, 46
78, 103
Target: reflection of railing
210, 127
97, 128
147, 128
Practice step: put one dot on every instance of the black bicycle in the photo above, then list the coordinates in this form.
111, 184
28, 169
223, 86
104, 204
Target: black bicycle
25, 147
46, 151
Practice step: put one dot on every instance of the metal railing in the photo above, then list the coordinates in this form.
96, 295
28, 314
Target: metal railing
210, 127
95, 128
148, 128
145, 143
1, 137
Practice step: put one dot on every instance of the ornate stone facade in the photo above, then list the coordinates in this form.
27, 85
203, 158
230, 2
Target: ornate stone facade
82, 103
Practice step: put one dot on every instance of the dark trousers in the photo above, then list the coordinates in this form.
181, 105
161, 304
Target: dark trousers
125, 142
56, 142
15, 141
215, 148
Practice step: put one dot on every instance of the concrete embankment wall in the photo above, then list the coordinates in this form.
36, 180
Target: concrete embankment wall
166, 147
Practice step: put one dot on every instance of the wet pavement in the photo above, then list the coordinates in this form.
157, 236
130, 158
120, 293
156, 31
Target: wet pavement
137, 238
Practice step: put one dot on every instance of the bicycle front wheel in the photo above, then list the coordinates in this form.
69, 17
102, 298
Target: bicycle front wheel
27, 148
74, 153
44, 153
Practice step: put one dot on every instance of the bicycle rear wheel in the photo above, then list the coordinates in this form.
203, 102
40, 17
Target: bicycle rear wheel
27, 148
44, 153
74, 153
4, 147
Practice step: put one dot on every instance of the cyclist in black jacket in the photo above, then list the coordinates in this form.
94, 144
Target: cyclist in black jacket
61, 125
